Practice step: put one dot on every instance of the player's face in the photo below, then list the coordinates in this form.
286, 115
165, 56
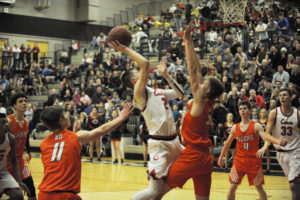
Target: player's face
284, 98
3, 125
21, 104
244, 111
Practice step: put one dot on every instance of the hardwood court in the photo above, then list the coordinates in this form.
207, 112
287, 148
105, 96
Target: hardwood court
102, 181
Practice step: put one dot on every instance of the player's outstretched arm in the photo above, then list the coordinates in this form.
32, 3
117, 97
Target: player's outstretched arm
226, 146
266, 136
86, 136
143, 63
260, 130
15, 165
162, 68
193, 64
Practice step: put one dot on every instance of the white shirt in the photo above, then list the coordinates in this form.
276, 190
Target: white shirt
212, 36
4, 149
262, 35
287, 127
157, 112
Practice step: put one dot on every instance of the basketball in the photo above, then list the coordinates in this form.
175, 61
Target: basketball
121, 34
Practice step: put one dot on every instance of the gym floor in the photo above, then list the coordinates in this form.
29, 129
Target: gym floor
110, 182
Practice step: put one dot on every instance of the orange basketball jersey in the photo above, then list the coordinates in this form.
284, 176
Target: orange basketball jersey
195, 130
247, 142
61, 161
20, 134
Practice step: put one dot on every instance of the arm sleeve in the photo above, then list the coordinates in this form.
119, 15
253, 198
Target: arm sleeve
27, 145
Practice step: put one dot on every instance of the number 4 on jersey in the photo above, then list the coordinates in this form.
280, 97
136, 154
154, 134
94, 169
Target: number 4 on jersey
58, 146
246, 146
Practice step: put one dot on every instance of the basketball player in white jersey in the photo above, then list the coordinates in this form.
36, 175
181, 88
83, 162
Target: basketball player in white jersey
8, 185
163, 146
283, 123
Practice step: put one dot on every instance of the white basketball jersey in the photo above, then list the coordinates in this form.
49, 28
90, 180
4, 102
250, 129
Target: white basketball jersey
287, 127
4, 149
157, 112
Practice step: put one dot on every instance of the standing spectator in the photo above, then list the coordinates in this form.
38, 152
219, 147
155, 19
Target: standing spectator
35, 53
188, 11
261, 30
28, 54
94, 122
115, 138
16, 56
232, 103
178, 18
283, 25
6, 50
22, 56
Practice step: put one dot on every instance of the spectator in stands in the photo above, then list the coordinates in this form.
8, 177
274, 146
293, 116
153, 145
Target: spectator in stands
35, 53
281, 76
94, 44
177, 14
240, 55
94, 122
283, 25
234, 46
84, 97
232, 103
261, 29
258, 99
221, 45
16, 56
53, 95
266, 70
188, 11
6, 50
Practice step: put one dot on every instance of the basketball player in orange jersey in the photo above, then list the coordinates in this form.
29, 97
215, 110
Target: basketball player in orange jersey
247, 159
18, 126
283, 123
61, 152
163, 144
195, 160
9, 185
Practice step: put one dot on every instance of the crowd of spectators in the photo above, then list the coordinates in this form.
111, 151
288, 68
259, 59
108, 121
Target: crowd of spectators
253, 60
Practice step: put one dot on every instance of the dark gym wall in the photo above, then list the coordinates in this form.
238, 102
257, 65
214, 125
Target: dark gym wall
27, 25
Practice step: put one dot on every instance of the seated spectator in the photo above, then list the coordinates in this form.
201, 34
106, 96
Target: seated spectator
239, 56
94, 44
258, 99
281, 76
75, 46
221, 45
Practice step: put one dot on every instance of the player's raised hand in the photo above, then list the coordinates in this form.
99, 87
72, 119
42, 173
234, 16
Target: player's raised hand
117, 46
283, 142
220, 162
188, 32
260, 153
162, 67
126, 111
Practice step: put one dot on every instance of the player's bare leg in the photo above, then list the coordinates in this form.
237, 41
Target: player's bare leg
295, 188
262, 193
232, 190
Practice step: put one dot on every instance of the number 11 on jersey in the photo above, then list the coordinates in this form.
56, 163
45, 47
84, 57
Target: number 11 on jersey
58, 146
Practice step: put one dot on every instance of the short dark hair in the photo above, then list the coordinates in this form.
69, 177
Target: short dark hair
288, 90
216, 88
245, 103
50, 117
16, 96
126, 78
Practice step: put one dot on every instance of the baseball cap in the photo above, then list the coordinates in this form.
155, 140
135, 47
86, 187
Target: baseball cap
2, 112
